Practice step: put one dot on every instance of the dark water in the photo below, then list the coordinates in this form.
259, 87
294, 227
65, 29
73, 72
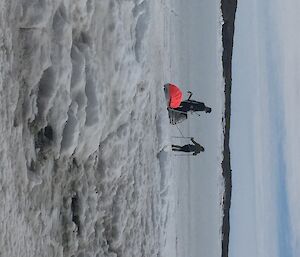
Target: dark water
228, 10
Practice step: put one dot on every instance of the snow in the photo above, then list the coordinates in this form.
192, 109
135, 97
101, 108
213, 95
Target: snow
196, 65
85, 161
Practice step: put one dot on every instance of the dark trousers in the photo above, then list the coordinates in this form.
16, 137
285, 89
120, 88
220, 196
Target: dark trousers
185, 148
191, 105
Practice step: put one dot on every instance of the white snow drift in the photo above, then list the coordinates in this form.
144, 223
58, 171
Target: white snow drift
83, 170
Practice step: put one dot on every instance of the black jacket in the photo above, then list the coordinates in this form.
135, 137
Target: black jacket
197, 148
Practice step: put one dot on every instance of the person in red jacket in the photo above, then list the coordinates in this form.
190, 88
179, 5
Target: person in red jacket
192, 105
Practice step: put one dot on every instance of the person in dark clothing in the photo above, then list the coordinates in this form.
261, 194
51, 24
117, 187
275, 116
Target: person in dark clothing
195, 148
192, 105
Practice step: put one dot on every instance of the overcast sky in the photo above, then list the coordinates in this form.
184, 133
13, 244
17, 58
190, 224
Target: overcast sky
265, 138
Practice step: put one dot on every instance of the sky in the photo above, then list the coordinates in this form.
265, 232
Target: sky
265, 212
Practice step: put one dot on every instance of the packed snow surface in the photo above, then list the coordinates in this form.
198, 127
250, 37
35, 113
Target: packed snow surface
83, 128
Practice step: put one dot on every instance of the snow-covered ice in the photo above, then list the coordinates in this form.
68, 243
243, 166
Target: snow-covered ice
84, 131
196, 65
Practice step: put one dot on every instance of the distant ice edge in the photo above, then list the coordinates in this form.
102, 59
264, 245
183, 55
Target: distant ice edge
221, 82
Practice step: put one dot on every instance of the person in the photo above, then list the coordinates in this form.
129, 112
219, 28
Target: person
195, 148
192, 105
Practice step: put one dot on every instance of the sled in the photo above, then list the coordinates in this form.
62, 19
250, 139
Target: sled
176, 116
